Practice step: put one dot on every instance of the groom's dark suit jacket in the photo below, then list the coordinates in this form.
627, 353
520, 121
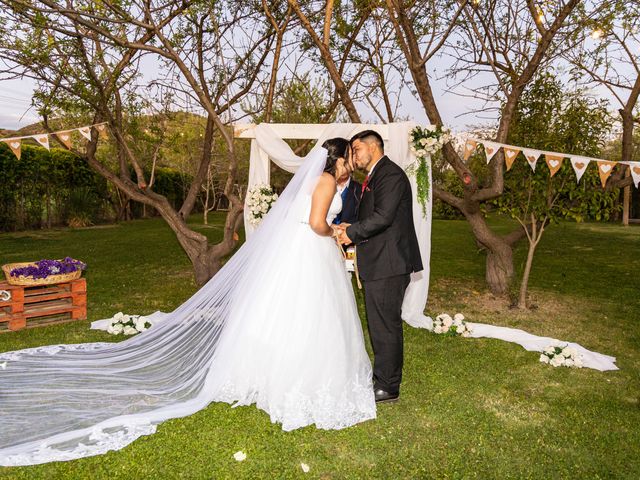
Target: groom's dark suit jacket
384, 233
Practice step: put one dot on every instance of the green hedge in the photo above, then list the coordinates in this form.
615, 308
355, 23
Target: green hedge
46, 188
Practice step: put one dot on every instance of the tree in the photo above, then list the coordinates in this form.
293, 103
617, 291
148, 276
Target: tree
610, 59
89, 57
550, 117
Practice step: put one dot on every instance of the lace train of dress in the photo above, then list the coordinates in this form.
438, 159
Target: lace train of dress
277, 326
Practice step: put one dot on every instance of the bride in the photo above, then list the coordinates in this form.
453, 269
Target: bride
277, 326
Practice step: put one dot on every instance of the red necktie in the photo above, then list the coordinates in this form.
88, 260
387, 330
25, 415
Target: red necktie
364, 184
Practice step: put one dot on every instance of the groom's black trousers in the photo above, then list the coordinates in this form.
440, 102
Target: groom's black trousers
383, 299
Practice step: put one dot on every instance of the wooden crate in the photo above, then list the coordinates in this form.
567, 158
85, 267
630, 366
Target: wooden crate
44, 305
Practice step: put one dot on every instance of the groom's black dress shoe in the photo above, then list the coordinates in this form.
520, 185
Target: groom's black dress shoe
382, 396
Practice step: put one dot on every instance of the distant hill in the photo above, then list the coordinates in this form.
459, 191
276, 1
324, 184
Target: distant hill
28, 130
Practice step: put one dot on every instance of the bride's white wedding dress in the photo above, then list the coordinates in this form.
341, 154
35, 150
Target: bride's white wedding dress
277, 326
318, 373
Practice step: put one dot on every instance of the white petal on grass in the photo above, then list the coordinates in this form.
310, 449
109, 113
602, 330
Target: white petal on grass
240, 456
305, 468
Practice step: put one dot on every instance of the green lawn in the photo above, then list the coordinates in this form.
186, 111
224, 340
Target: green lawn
470, 408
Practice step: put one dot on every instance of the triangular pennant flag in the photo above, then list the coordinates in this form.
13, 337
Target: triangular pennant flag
42, 139
510, 155
635, 172
554, 162
532, 157
65, 138
579, 166
469, 146
85, 132
490, 149
605, 168
15, 144
102, 129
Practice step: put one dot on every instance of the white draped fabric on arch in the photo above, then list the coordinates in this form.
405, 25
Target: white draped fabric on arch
268, 145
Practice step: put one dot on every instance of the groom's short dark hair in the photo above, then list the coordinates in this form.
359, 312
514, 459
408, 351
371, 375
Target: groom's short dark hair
369, 136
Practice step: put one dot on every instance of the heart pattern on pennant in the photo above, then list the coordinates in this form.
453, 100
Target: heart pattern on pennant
42, 139
15, 144
489, 150
511, 153
84, 130
554, 163
531, 158
636, 170
605, 168
64, 136
579, 165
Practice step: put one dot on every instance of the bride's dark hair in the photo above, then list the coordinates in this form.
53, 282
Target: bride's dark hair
337, 148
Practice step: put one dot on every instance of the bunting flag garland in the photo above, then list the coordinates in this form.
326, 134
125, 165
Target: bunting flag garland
42, 140
532, 157
102, 129
15, 143
554, 162
579, 166
469, 146
65, 137
85, 132
490, 149
604, 169
510, 155
635, 174
552, 159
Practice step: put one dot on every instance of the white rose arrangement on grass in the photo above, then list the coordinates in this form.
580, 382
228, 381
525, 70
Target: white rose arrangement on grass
559, 355
260, 198
127, 324
445, 324
424, 142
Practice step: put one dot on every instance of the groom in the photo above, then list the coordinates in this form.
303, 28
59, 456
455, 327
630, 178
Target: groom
387, 253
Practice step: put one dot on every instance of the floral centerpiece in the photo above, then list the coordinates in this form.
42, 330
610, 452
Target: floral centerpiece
260, 198
43, 272
425, 141
127, 324
444, 324
559, 355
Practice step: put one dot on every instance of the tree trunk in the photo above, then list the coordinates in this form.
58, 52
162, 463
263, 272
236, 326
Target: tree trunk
499, 263
626, 201
205, 266
524, 286
499, 269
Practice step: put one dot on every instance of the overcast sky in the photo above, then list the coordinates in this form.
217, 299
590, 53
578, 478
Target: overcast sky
16, 110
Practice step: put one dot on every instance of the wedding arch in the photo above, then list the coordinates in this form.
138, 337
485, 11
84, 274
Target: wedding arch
268, 145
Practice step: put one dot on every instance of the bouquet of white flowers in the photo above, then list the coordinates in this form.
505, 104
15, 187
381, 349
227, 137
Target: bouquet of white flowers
260, 198
428, 140
560, 355
425, 142
452, 326
127, 324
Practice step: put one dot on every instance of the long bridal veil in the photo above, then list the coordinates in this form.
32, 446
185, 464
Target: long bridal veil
69, 401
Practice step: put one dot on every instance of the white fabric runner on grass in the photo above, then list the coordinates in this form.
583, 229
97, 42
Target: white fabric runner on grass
530, 342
